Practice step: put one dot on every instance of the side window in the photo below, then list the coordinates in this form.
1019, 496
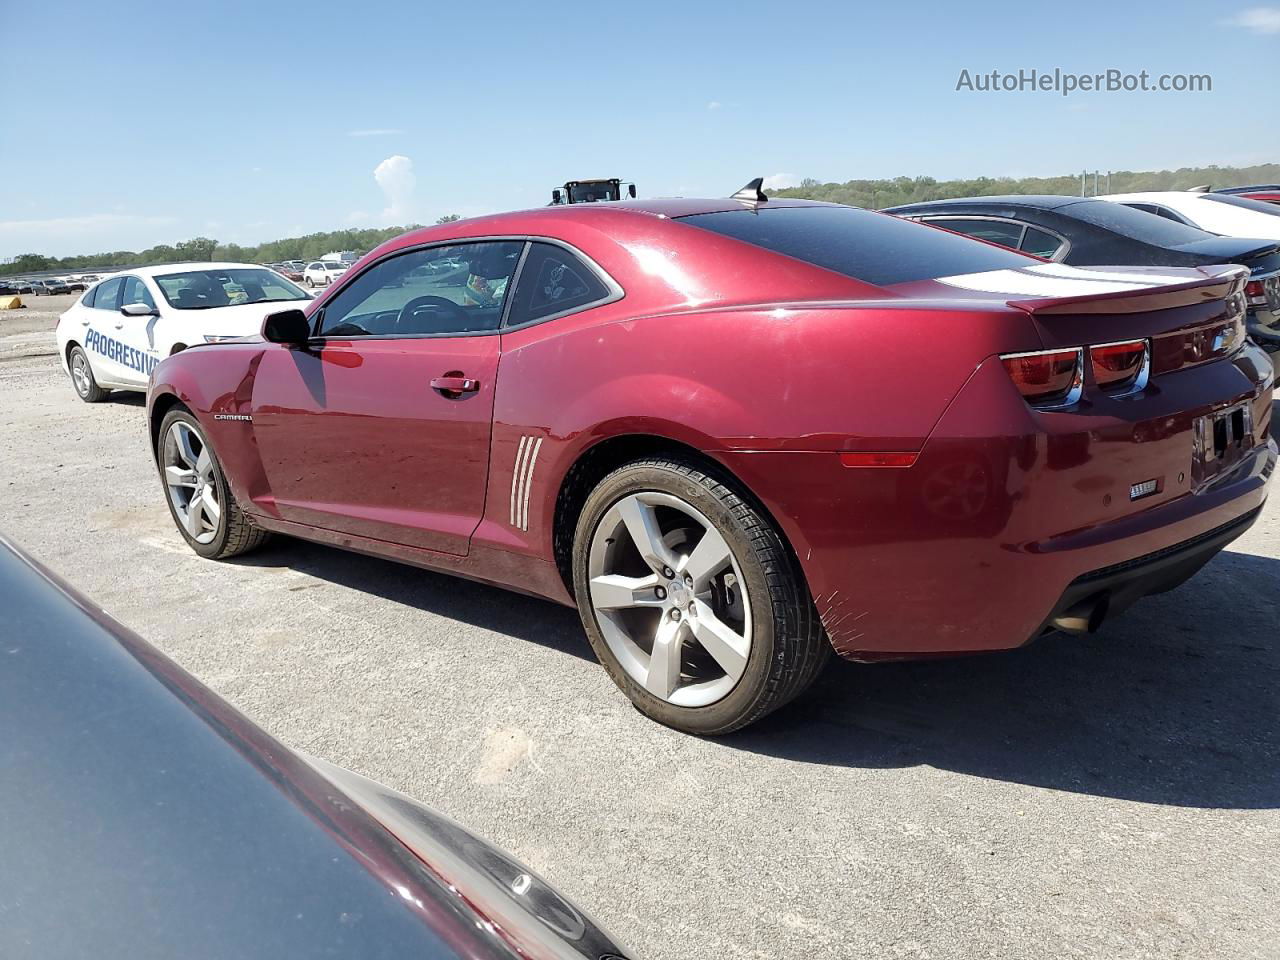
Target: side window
1040, 243
108, 295
553, 281
135, 291
457, 289
87, 299
993, 231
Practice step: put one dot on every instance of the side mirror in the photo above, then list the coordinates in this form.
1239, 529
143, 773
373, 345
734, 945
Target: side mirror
556, 196
139, 310
290, 327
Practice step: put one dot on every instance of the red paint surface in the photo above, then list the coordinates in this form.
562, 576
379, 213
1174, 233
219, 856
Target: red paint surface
773, 368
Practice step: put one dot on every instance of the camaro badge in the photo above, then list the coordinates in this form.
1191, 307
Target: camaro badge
233, 416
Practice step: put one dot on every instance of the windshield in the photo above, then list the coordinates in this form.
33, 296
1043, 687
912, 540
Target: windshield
206, 289
1134, 224
875, 248
335, 266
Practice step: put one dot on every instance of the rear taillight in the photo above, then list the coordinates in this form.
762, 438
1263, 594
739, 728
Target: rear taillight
1254, 291
1120, 366
1047, 378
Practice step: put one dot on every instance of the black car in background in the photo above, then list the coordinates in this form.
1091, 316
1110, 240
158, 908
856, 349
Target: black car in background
8, 287
142, 817
1082, 231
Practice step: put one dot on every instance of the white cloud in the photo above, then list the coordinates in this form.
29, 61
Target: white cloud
376, 132
713, 105
67, 236
780, 181
395, 177
1257, 19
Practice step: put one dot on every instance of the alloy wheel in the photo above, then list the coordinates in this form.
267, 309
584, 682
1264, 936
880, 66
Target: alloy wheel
191, 478
80, 373
670, 599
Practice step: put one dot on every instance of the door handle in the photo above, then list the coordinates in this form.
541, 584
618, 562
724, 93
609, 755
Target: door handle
456, 385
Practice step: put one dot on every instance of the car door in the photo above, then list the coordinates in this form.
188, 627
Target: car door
380, 428
102, 324
137, 333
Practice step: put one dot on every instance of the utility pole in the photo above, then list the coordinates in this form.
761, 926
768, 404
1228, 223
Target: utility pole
1082, 183
1095, 183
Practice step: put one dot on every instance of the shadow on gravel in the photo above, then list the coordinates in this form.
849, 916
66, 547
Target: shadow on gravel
491, 608
1176, 702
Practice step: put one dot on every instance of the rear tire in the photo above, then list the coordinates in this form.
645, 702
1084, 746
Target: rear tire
200, 500
82, 379
740, 642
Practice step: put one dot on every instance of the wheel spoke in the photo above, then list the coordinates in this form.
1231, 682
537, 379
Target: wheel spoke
204, 464
664, 661
727, 647
642, 524
181, 477
615, 592
192, 518
710, 556
182, 444
209, 504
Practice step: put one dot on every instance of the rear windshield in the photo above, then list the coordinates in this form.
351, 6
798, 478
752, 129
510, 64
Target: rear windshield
875, 248
1134, 224
1246, 203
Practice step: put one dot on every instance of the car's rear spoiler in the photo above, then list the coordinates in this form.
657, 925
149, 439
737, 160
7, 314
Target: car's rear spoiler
1215, 283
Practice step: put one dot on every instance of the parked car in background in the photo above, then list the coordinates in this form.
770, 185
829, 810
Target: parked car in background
1228, 215
290, 272
49, 286
75, 285
720, 429
1093, 231
1269, 192
147, 817
321, 273
8, 287
113, 336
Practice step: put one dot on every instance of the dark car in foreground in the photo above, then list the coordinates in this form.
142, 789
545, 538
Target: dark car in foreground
1086, 231
739, 433
141, 817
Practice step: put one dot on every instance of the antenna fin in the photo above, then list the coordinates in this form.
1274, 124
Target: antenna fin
752, 192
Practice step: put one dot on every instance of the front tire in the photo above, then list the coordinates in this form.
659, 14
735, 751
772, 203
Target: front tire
196, 490
691, 600
82, 378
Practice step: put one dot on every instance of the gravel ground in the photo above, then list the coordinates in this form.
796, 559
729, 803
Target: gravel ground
1112, 797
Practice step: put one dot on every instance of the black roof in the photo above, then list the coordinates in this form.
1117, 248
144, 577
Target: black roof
1040, 201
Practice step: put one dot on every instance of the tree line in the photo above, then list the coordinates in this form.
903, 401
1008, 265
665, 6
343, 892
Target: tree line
311, 247
872, 194
877, 194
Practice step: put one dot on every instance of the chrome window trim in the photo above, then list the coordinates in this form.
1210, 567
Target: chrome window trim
615, 291
1058, 255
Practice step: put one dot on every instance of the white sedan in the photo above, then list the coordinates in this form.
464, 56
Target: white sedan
1220, 213
321, 273
114, 335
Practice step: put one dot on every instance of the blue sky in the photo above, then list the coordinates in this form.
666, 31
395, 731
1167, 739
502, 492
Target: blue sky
141, 123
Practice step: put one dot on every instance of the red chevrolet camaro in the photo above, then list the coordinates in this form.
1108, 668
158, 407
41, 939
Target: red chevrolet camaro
738, 434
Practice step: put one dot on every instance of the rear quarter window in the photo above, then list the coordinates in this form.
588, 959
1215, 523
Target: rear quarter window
875, 248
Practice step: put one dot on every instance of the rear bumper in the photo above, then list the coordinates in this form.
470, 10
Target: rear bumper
1005, 513
1093, 597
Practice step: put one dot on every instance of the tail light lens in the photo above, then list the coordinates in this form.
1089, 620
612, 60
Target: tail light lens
1254, 291
1120, 366
1047, 378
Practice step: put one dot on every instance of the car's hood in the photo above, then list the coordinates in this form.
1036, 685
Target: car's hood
235, 321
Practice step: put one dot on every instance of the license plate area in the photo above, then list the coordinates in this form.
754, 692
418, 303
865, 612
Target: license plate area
1221, 440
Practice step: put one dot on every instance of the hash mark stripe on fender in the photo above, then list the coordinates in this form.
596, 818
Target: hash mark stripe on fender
528, 485
515, 477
